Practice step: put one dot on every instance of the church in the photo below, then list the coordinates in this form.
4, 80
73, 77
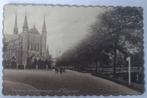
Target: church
25, 47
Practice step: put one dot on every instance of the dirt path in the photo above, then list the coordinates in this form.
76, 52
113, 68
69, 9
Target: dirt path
70, 82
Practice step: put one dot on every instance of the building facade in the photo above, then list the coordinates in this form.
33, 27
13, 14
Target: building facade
22, 48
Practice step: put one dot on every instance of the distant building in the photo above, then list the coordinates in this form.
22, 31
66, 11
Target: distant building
25, 46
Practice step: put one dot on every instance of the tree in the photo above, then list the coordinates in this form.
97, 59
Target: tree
124, 26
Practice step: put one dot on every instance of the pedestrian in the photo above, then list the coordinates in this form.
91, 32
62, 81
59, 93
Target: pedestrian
61, 70
56, 70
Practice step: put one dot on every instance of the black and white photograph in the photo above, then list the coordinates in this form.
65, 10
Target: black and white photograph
72, 50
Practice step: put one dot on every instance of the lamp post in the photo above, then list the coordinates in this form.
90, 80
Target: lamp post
129, 70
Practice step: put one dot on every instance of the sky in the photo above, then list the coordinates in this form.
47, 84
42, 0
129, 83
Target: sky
66, 26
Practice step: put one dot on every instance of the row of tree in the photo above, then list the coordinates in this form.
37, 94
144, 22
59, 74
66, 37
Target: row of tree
116, 34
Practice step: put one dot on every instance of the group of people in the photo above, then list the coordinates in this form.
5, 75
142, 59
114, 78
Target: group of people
59, 70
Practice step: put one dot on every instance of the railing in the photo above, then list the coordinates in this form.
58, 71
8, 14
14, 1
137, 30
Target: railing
120, 70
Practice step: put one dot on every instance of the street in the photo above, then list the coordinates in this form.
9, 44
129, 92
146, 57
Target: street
68, 83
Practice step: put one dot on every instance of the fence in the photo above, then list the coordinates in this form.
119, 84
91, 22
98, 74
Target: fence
120, 70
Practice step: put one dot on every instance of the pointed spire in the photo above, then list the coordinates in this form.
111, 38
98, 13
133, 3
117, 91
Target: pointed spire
15, 26
44, 27
25, 25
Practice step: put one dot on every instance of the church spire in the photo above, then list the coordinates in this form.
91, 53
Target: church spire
44, 38
25, 25
15, 26
44, 26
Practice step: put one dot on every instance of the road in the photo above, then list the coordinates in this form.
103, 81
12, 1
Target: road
36, 82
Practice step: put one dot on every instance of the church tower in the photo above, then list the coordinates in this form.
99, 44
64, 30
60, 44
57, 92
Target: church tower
26, 41
44, 38
15, 26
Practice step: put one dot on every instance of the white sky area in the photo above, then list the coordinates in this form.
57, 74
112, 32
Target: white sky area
66, 26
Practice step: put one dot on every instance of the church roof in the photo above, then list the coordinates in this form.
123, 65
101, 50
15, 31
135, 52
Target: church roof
34, 30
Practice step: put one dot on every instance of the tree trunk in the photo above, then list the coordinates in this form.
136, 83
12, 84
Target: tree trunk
96, 67
114, 62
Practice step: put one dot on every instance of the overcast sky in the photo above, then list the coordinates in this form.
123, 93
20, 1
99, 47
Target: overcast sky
66, 26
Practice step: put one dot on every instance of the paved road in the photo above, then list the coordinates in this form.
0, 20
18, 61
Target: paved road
70, 82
